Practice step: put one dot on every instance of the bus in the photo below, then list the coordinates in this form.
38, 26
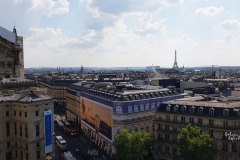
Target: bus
61, 143
60, 124
70, 130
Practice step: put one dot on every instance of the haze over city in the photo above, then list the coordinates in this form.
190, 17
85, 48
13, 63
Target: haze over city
109, 33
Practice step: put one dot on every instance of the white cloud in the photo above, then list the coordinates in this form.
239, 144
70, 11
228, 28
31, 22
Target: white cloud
230, 24
50, 7
210, 11
147, 26
170, 2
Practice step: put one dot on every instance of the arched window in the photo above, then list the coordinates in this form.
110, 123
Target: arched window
183, 109
129, 109
136, 108
152, 105
147, 106
175, 108
200, 110
211, 111
168, 108
118, 109
225, 112
141, 107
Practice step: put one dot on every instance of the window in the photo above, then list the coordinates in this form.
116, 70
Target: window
183, 119
183, 109
159, 126
7, 113
168, 108
225, 146
25, 114
152, 105
21, 154
38, 144
118, 109
129, 109
36, 112
225, 124
174, 151
158, 104
167, 127
167, 149
167, 117
26, 156
200, 110
211, 111
26, 131
210, 122
234, 147
167, 137
191, 120
20, 113
225, 112
136, 108
175, 118
199, 121
160, 148
147, 106
192, 110
20, 130
15, 128
8, 129
141, 107
37, 130
211, 133
16, 152
175, 108
8, 144
15, 113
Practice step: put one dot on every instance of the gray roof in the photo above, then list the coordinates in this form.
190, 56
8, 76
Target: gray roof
8, 35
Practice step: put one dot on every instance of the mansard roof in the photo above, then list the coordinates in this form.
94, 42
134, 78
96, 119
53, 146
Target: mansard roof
7, 35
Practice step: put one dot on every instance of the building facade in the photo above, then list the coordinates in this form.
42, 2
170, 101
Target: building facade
219, 119
106, 109
11, 54
22, 124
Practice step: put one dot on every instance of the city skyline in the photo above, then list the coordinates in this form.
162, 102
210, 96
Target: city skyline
125, 33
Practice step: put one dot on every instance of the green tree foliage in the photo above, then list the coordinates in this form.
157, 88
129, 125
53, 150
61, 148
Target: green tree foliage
192, 144
132, 145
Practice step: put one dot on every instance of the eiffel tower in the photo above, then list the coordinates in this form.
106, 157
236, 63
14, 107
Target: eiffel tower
175, 65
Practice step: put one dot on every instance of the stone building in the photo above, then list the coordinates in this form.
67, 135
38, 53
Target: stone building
22, 124
11, 54
219, 118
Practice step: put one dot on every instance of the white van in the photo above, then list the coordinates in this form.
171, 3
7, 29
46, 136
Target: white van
62, 144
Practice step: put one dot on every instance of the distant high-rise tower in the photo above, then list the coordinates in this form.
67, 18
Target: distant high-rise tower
175, 65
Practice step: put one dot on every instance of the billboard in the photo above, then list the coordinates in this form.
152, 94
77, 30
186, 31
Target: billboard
98, 116
48, 131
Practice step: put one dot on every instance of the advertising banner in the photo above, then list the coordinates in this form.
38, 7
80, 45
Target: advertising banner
48, 131
98, 116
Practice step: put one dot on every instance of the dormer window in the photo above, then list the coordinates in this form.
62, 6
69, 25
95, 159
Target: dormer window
226, 113
168, 108
136, 108
152, 105
183, 109
129, 109
192, 110
200, 110
175, 108
147, 106
211, 111
118, 109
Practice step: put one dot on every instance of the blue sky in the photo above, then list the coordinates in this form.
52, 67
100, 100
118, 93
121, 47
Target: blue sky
113, 33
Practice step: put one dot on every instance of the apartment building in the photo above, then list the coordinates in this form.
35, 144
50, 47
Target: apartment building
219, 117
106, 108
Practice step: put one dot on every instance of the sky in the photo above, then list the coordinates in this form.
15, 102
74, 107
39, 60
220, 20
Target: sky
125, 33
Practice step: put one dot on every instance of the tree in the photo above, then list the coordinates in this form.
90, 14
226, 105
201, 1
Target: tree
193, 144
132, 145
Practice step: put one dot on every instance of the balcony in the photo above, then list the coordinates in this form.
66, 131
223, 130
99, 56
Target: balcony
132, 120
